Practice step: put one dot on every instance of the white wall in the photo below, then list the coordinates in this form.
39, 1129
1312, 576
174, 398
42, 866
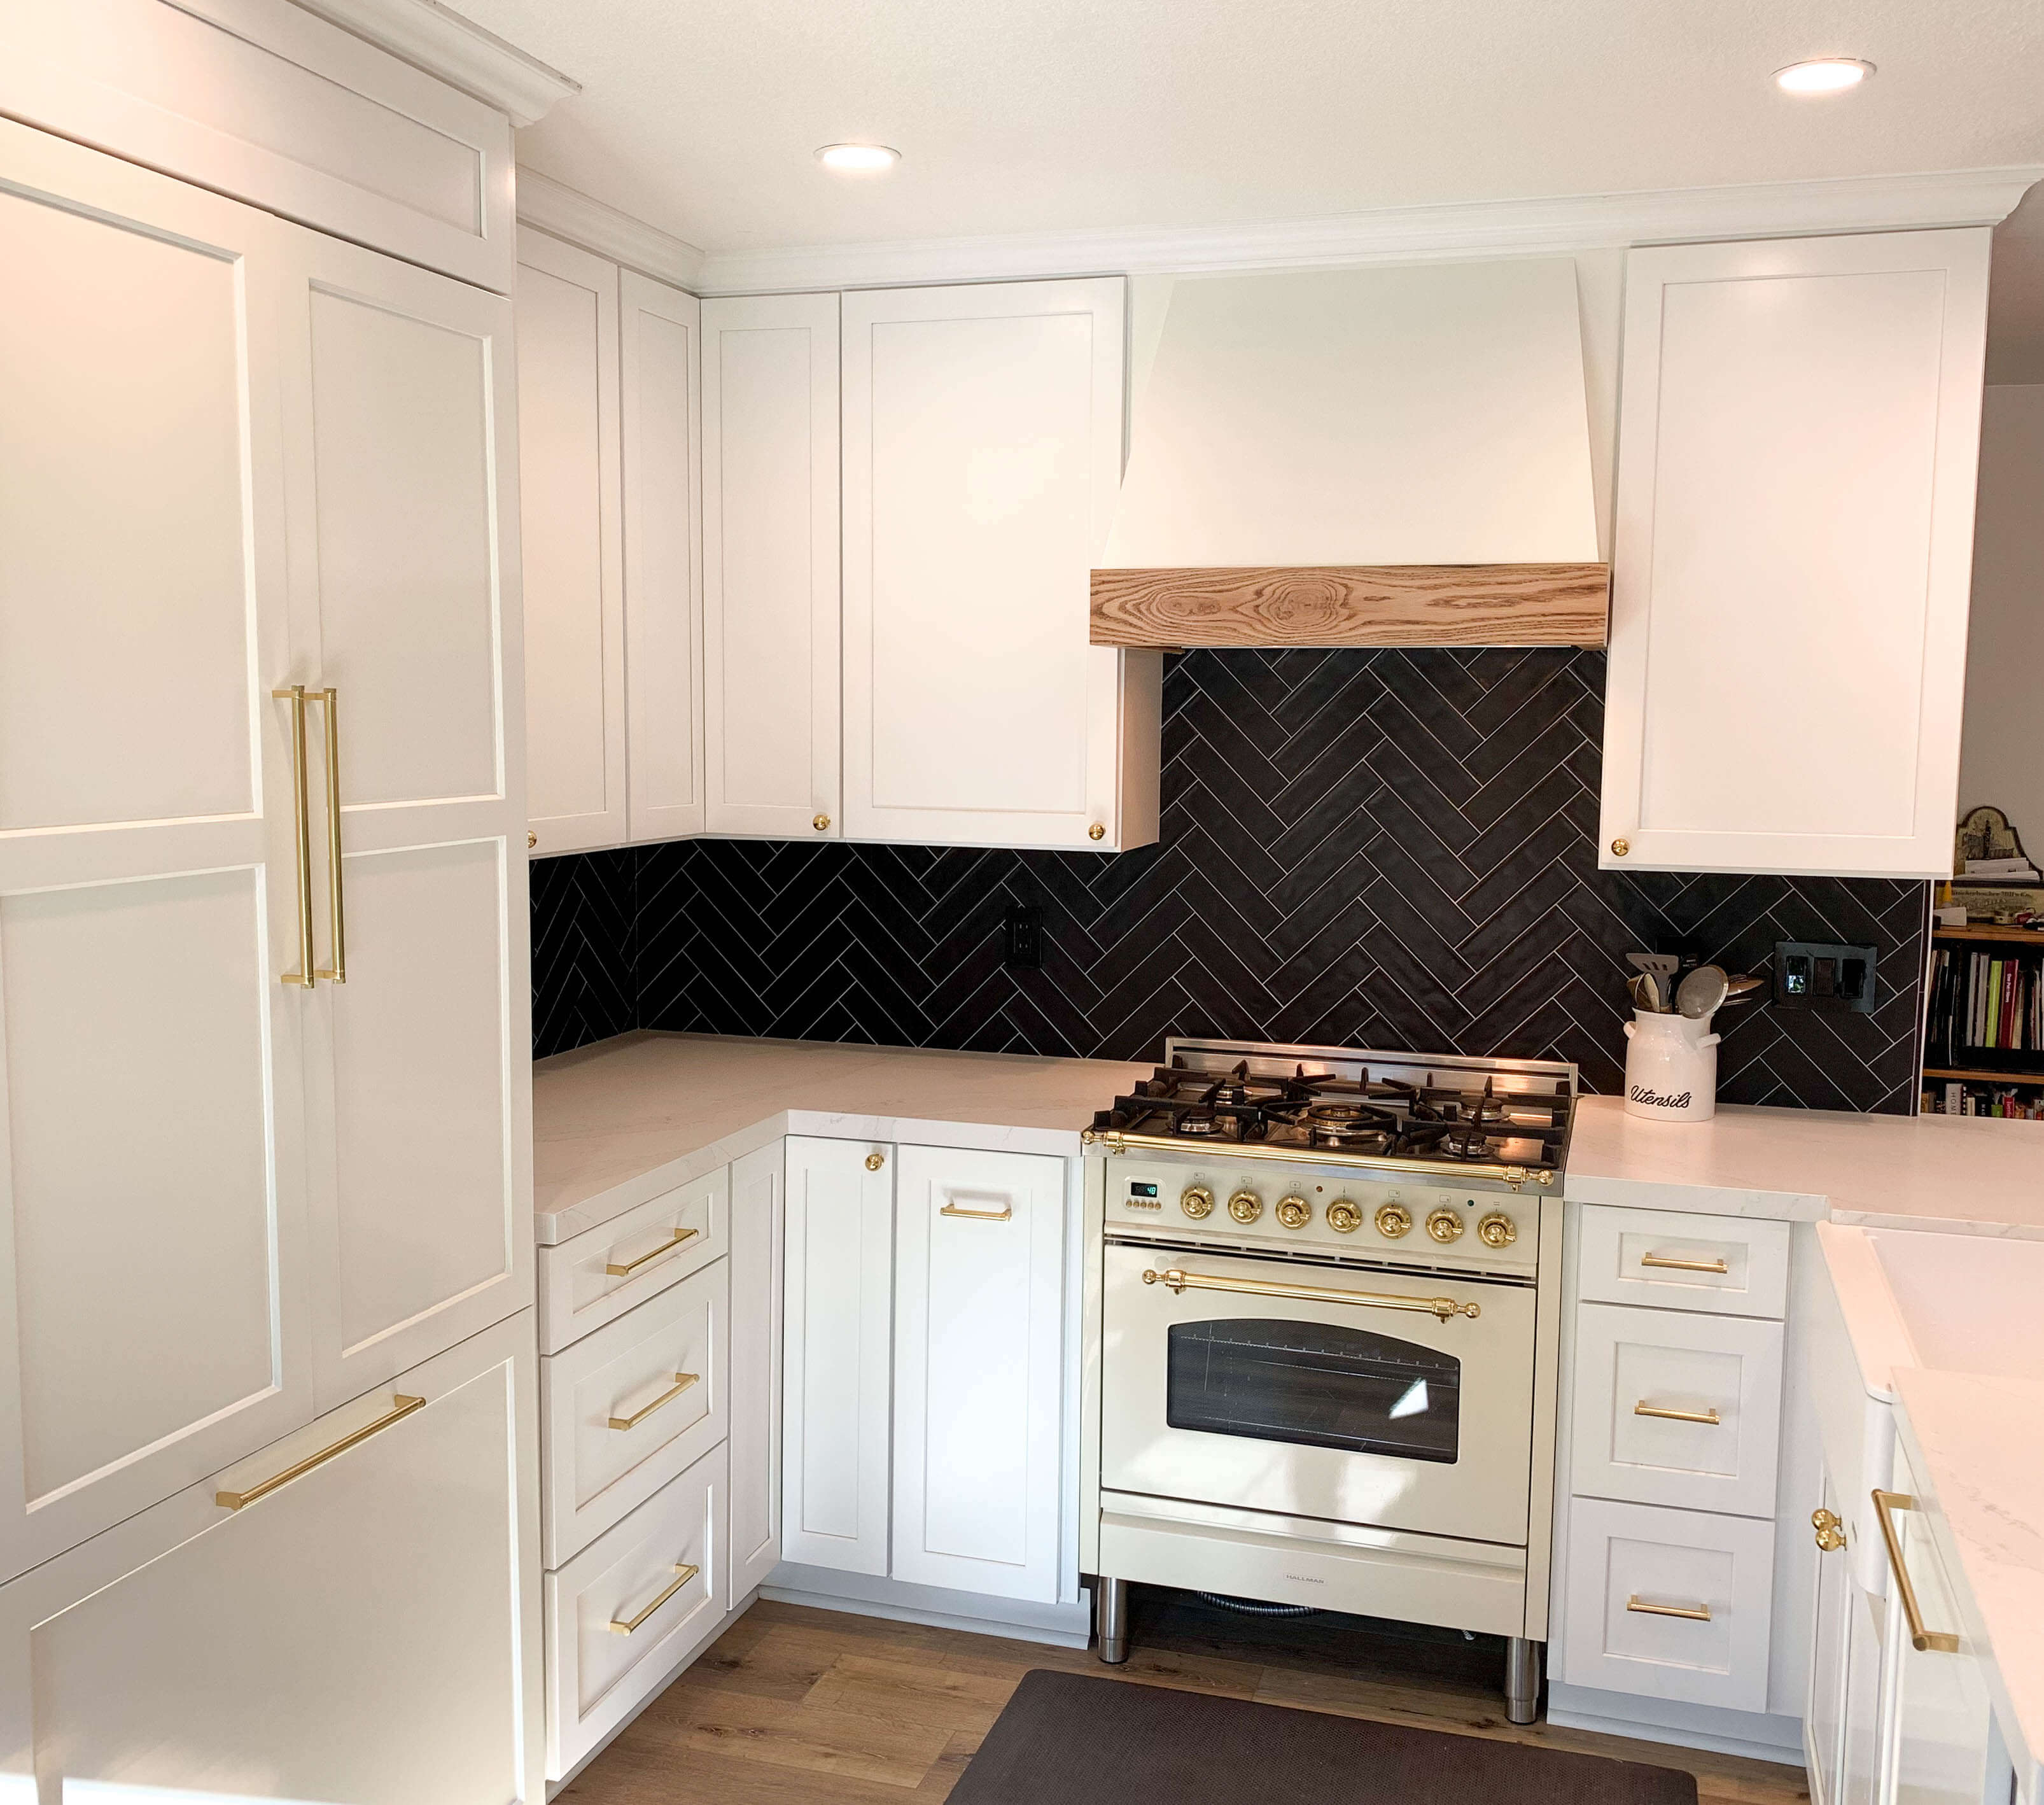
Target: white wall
2001, 758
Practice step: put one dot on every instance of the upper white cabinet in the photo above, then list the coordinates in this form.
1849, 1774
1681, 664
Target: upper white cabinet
1798, 437
569, 513
771, 625
982, 452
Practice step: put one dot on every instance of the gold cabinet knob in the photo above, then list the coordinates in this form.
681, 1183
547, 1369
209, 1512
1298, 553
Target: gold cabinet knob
532, 839
1196, 1201
1393, 1220
1343, 1218
875, 1161
1497, 1230
1245, 1206
1620, 847
1294, 1212
1445, 1225
1097, 831
1831, 1530
821, 823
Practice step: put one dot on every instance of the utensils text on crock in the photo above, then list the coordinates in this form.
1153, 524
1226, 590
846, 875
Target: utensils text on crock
1700, 995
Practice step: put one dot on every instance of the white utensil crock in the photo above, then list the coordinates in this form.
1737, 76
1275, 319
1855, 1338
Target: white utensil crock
1671, 1067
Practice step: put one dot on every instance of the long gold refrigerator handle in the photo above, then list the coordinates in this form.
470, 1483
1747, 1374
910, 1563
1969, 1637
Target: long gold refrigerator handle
295, 696
336, 924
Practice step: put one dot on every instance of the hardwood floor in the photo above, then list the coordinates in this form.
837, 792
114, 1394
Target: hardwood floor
796, 1706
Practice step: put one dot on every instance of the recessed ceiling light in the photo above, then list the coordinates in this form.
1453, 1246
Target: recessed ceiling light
858, 159
1823, 75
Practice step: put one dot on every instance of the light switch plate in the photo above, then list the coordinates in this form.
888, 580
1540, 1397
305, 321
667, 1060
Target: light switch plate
1811, 974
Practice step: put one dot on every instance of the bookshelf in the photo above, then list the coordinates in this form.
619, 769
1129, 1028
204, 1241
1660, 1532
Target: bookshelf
2015, 1089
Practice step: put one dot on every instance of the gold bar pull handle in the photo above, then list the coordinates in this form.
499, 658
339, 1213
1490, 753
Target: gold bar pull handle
616, 1269
1440, 1308
1924, 1641
1670, 1265
1643, 1408
336, 924
683, 1573
401, 1407
1690, 1613
295, 696
683, 1382
1004, 1213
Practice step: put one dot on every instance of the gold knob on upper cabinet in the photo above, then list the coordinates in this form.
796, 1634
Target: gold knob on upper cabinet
1445, 1225
1620, 847
531, 840
1245, 1206
1294, 1212
1343, 1218
1196, 1201
875, 1161
1393, 1220
821, 823
1497, 1231
1831, 1531
1096, 832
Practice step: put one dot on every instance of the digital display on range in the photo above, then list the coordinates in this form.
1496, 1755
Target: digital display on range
1139, 1190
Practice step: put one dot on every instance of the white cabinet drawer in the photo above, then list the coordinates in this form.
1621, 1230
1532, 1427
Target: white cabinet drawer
634, 1604
596, 1276
1672, 1261
1644, 1378
1668, 1604
624, 1409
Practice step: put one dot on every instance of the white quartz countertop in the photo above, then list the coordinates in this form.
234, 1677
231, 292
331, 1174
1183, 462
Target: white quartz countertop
617, 1123
1975, 1444
1969, 1174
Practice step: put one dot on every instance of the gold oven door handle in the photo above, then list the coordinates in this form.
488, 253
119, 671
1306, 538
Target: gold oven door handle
683, 1573
683, 1382
615, 1269
1668, 1265
1709, 1418
401, 1407
1924, 1641
1441, 1307
1004, 1213
295, 696
336, 924
1689, 1613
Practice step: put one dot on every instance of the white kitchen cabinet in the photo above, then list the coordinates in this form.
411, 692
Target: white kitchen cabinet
757, 1183
571, 539
770, 565
1798, 438
836, 1391
369, 1631
660, 374
1831, 1640
978, 1371
982, 433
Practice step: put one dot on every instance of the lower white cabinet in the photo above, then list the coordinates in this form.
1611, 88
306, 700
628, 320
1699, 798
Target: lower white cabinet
368, 1631
978, 1370
837, 1392
633, 1606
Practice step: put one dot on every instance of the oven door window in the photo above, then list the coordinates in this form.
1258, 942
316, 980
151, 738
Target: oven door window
1316, 1384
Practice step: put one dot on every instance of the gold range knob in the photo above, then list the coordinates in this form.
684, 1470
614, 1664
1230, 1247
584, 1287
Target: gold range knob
1294, 1212
1196, 1201
1445, 1225
1497, 1230
1393, 1220
1245, 1206
1343, 1218
1831, 1530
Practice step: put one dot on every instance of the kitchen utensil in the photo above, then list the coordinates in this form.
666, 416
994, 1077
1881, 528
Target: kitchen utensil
1660, 965
1740, 984
1642, 990
1702, 992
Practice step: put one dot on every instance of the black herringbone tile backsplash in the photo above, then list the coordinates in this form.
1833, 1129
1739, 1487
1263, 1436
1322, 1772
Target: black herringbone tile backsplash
1394, 849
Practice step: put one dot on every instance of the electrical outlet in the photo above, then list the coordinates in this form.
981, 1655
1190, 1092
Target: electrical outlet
1023, 937
1810, 974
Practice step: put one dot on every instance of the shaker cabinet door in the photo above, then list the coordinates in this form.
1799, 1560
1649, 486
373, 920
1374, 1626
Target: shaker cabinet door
153, 1255
1799, 434
758, 1209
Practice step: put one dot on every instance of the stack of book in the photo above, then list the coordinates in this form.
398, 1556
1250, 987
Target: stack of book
1987, 1007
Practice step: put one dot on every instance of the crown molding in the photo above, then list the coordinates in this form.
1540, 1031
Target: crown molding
1855, 203
430, 37
566, 212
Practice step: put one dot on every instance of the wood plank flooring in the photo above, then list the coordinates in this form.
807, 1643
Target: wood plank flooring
797, 1706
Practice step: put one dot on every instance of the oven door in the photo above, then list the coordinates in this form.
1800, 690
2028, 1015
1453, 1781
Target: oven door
1322, 1403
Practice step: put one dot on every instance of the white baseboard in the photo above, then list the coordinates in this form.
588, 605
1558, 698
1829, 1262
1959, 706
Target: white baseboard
1753, 1734
1060, 1626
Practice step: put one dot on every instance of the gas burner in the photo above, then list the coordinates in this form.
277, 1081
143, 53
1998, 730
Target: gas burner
1198, 1127
1348, 1137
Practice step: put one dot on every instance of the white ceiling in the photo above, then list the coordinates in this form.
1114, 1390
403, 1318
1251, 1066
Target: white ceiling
1017, 116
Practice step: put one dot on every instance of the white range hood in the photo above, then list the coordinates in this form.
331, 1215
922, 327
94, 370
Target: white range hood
1393, 455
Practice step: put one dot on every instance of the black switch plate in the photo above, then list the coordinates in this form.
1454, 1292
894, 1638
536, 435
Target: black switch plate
1023, 937
1811, 974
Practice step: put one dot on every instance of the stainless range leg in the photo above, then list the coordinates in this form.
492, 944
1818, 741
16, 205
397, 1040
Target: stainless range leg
1522, 1680
1110, 1619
